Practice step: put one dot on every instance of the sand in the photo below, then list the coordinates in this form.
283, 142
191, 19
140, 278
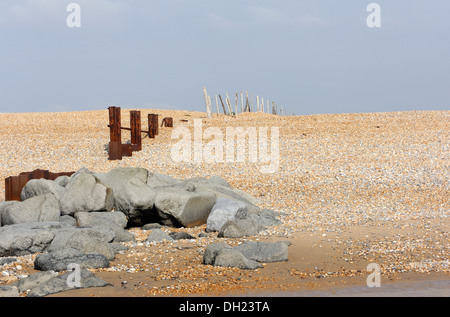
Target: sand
354, 189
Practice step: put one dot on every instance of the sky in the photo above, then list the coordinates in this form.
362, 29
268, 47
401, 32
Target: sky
310, 57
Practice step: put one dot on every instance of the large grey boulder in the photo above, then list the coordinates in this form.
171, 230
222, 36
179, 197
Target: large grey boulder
68, 220
187, 207
240, 228
85, 240
36, 187
266, 217
131, 194
90, 219
212, 250
60, 260
219, 189
116, 221
264, 251
227, 209
157, 180
233, 258
85, 193
9, 291
26, 238
158, 235
33, 280
42, 208
62, 180
4, 205
246, 255
217, 180
64, 282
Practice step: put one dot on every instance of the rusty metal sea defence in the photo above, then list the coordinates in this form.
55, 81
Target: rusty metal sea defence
15, 184
117, 149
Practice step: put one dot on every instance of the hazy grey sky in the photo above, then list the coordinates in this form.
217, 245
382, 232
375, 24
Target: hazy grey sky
314, 56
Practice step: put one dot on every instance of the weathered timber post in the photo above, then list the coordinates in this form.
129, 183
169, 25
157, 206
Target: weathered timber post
135, 126
207, 103
152, 125
223, 106
167, 122
217, 105
230, 110
115, 144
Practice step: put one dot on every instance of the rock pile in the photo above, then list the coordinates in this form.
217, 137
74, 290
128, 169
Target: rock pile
80, 219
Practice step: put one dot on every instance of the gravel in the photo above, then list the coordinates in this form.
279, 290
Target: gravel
336, 171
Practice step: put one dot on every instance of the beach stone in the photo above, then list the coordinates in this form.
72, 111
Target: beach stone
62, 180
85, 240
217, 180
7, 260
89, 219
240, 228
224, 210
203, 185
212, 250
59, 260
158, 235
181, 235
42, 208
9, 291
131, 194
81, 171
26, 238
187, 207
116, 221
156, 180
264, 251
85, 193
36, 187
60, 284
234, 258
118, 247
4, 205
68, 220
266, 217
151, 226
31, 281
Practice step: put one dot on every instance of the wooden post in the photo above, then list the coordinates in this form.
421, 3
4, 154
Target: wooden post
135, 125
242, 102
152, 125
115, 144
262, 104
114, 124
207, 103
151, 132
247, 105
223, 106
217, 105
167, 122
258, 108
236, 102
230, 110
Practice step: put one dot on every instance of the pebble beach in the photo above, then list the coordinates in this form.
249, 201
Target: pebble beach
352, 189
